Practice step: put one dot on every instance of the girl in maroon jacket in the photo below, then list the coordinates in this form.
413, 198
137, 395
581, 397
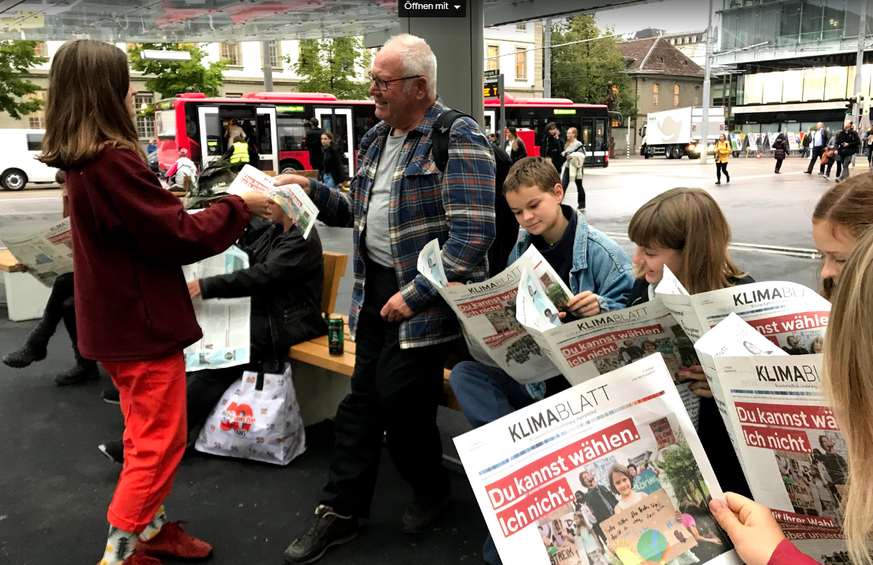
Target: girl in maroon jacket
130, 238
848, 381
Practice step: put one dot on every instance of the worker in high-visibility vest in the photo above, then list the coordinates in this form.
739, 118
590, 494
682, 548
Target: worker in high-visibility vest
238, 153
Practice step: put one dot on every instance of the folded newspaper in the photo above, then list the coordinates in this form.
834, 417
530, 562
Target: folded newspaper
785, 434
587, 347
291, 197
46, 253
225, 322
487, 313
608, 470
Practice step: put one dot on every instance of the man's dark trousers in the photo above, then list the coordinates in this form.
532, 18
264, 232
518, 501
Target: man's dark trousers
393, 390
816, 154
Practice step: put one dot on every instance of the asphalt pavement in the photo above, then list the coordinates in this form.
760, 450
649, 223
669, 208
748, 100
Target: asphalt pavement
56, 485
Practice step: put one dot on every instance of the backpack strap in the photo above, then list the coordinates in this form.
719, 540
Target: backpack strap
442, 128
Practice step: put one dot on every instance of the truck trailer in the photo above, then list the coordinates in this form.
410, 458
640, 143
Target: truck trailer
677, 132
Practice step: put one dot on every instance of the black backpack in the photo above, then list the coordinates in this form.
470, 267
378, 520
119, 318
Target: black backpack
507, 226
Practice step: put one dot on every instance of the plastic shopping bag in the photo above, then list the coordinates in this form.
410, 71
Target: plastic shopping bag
257, 418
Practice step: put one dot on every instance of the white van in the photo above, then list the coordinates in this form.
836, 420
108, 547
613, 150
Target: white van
18, 164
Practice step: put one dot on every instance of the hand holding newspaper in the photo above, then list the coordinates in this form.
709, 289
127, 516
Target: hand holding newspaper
487, 310
46, 253
553, 483
291, 197
225, 322
785, 434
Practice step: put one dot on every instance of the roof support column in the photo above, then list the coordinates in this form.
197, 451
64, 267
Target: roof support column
459, 46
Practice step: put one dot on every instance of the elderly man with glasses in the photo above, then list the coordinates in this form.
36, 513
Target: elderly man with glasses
399, 201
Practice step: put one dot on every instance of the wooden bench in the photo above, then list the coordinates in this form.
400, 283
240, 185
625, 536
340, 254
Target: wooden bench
25, 296
316, 352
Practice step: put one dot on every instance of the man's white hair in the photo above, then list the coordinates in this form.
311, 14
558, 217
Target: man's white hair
417, 59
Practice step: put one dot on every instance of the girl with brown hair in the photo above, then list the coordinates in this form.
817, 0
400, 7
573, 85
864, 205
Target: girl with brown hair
684, 229
848, 382
842, 214
134, 314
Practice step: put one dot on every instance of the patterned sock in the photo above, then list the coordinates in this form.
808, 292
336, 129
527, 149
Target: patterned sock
155, 525
119, 546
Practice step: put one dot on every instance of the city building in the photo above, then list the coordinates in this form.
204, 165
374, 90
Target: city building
513, 49
691, 43
662, 77
795, 59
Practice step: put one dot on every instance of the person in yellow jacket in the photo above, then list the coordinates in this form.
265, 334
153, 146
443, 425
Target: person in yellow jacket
722, 150
238, 153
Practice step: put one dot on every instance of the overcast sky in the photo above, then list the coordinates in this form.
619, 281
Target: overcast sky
669, 15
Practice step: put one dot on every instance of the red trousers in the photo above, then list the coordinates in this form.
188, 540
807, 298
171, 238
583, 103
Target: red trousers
152, 397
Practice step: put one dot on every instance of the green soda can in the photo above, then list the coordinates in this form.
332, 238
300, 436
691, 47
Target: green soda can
335, 335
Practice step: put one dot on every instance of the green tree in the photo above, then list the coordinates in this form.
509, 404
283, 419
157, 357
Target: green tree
680, 469
328, 65
170, 78
16, 58
580, 71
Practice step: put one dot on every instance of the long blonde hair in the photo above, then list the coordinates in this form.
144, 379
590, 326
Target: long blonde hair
848, 382
688, 220
86, 109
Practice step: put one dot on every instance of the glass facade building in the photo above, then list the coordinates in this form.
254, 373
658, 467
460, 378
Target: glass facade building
793, 61
791, 26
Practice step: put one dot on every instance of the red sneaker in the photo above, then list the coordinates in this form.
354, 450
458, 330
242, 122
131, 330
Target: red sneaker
172, 541
137, 558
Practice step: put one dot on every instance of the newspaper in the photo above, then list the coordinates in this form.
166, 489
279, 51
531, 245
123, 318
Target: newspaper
46, 253
291, 197
225, 322
789, 444
588, 347
527, 471
487, 313
790, 315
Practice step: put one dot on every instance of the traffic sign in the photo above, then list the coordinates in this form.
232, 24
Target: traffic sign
492, 73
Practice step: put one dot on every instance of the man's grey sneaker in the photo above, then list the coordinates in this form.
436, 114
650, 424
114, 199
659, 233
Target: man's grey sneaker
325, 530
78, 374
424, 514
110, 396
113, 450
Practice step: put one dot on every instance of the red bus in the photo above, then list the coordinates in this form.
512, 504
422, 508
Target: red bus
278, 121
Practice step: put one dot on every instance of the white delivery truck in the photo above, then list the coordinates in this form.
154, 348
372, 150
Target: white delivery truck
677, 132
18, 164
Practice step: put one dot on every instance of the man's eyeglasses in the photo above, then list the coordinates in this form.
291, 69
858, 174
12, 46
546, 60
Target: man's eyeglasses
382, 84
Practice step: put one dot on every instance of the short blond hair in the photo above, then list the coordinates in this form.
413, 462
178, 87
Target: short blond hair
532, 171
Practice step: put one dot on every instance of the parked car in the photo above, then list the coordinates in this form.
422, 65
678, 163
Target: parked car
18, 164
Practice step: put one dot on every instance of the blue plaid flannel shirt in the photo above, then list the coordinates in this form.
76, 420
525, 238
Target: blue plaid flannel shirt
456, 207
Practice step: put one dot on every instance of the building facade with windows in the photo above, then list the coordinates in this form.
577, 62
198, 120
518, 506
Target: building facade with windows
662, 78
516, 50
795, 61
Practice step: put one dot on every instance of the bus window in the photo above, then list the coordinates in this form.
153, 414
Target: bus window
165, 124
601, 143
291, 133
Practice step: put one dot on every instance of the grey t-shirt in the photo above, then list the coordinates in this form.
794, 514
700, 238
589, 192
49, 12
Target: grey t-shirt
376, 239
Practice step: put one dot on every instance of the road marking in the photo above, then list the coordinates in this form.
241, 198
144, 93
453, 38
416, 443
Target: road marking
737, 246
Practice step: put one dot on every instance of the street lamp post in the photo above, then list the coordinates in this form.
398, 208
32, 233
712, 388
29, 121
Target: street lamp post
704, 122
